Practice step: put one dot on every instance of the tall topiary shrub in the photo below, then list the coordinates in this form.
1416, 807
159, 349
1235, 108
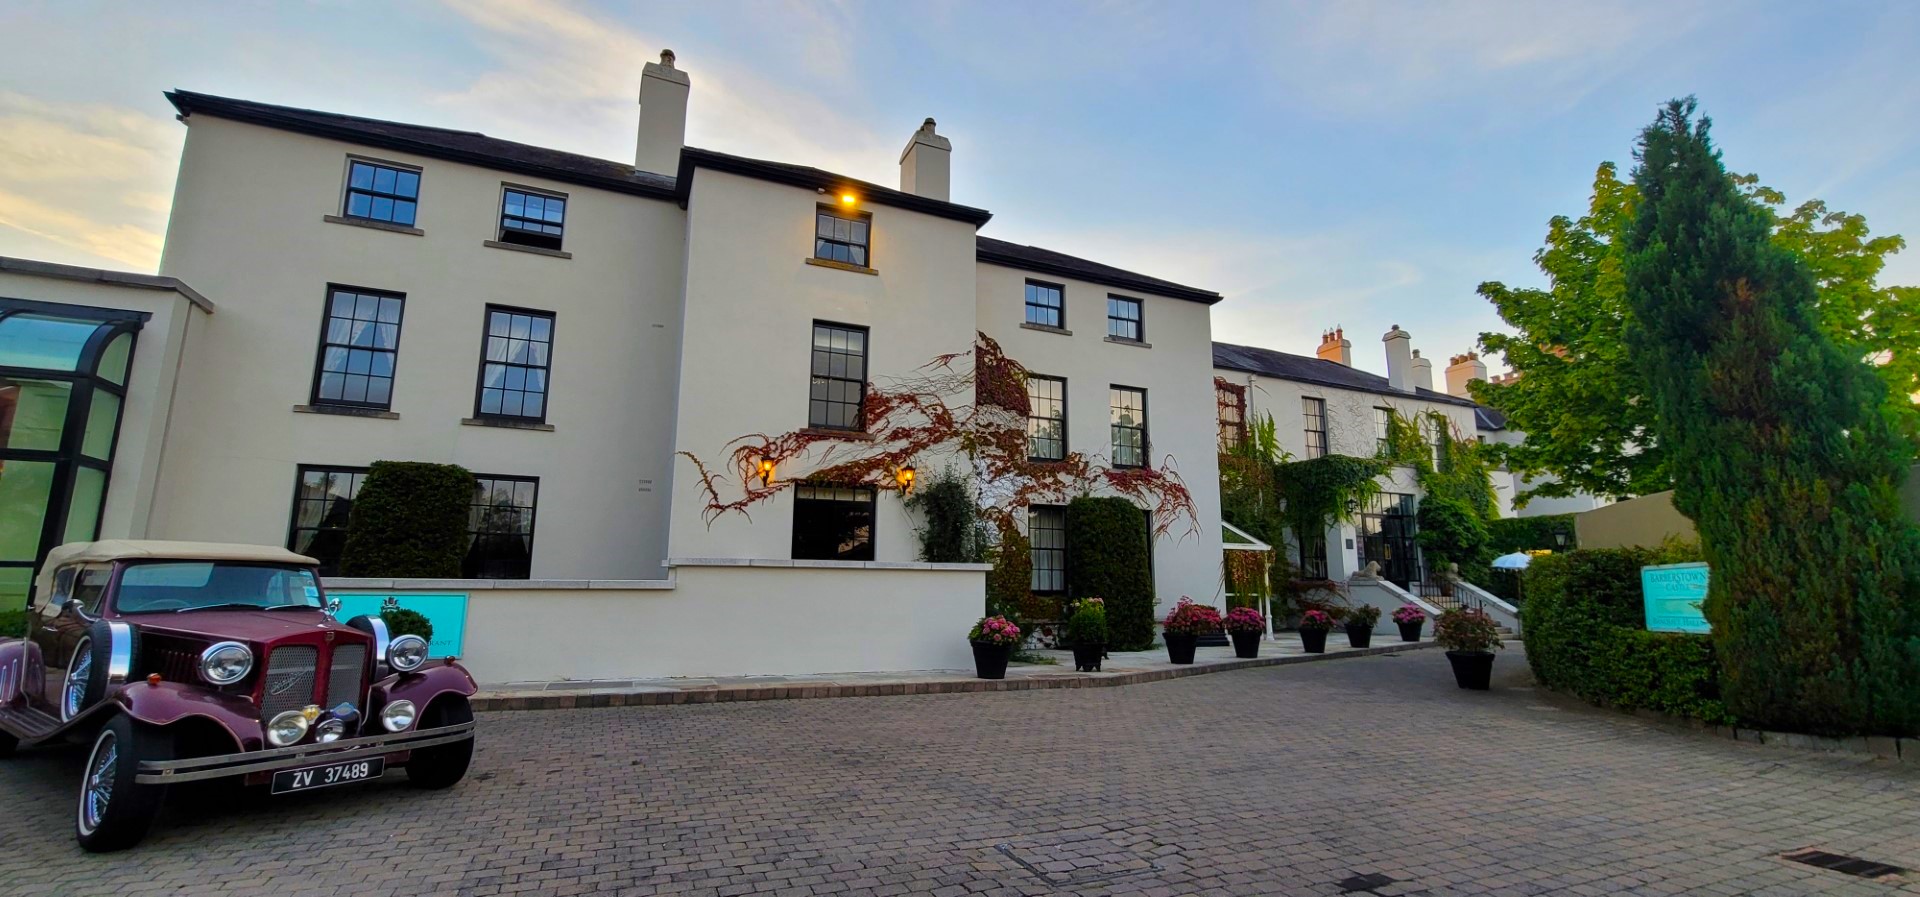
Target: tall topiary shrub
1779, 450
1010, 582
409, 520
1107, 558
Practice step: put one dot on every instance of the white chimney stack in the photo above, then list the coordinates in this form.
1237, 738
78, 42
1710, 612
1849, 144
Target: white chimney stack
1464, 369
1422, 371
926, 165
1399, 359
663, 117
1335, 347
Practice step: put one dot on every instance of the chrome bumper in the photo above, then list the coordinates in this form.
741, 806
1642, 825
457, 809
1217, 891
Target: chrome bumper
173, 772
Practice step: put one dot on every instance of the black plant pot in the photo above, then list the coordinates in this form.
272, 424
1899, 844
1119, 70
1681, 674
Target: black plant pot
1245, 644
1180, 647
1472, 669
1359, 635
990, 661
1314, 640
1086, 658
1410, 632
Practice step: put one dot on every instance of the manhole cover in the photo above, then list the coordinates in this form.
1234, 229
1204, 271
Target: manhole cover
1084, 858
1854, 866
1366, 882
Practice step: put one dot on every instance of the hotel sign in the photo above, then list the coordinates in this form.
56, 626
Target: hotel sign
1674, 593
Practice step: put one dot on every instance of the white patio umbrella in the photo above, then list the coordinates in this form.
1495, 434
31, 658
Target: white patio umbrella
1515, 561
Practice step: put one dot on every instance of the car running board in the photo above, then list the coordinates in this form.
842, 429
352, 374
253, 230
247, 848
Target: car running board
27, 724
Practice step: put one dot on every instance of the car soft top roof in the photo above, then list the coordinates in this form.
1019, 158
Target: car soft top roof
144, 549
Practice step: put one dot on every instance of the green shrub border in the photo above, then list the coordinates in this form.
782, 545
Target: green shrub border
1107, 559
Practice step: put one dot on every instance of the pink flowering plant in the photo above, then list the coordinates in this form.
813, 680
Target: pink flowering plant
1315, 621
1409, 614
1246, 619
994, 631
1189, 618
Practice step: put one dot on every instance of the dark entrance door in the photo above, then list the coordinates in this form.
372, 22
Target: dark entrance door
1386, 536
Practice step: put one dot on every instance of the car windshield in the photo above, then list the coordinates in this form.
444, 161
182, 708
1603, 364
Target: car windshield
193, 585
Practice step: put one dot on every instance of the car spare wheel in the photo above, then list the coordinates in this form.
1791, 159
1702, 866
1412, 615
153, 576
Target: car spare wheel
114, 812
445, 765
95, 654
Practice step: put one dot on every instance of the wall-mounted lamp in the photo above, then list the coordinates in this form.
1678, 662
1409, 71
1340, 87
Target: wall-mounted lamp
1560, 539
766, 471
1353, 506
847, 199
905, 476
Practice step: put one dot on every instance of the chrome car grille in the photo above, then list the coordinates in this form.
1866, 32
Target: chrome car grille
289, 680
344, 680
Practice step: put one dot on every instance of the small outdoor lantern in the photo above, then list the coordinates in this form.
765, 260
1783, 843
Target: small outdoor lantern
906, 479
766, 471
1353, 506
1560, 539
847, 199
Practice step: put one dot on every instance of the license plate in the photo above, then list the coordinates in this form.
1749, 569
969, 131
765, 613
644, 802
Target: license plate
345, 773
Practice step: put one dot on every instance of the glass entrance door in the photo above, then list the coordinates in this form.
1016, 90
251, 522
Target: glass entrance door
1386, 535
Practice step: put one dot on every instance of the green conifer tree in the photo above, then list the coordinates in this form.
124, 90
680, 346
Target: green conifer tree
1779, 451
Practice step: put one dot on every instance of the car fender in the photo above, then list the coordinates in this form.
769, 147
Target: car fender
169, 703
423, 685
21, 670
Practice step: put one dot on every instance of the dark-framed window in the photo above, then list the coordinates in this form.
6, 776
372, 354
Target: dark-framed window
500, 527
64, 371
838, 391
1047, 540
1046, 418
841, 236
1046, 304
1436, 433
516, 354
1313, 556
1128, 407
381, 191
359, 346
1314, 413
532, 218
1382, 430
1233, 417
833, 523
1124, 319
322, 500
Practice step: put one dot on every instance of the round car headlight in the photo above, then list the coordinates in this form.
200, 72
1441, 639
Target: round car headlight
398, 716
407, 653
287, 728
329, 731
226, 663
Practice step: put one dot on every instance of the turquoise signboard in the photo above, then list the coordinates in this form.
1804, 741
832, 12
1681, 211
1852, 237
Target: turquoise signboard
447, 613
1674, 593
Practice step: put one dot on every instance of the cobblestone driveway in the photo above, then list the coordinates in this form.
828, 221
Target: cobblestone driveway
1278, 781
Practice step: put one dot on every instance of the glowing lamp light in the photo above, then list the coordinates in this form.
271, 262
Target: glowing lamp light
906, 479
766, 471
847, 199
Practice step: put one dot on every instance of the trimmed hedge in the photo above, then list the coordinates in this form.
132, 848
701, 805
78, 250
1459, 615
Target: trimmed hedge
1510, 534
409, 520
1107, 559
13, 623
1584, 625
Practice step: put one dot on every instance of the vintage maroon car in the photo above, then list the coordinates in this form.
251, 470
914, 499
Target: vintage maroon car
185, 662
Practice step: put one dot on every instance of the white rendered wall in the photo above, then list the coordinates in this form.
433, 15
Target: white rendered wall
247, 228
1176, 371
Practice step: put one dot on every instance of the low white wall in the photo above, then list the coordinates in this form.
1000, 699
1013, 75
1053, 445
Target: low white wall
1388, 598
734, 620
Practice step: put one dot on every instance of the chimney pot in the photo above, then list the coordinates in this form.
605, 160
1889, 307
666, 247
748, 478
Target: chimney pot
1334, 347
926, 165
666, 58
1399, 359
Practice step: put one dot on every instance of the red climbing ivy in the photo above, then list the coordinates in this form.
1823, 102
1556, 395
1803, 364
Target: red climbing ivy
970, 403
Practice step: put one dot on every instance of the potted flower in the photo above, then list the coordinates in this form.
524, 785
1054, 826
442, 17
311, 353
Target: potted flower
1245, 626
1360, 623
1087, 633
1184, 626
1468, 635
1313, 631
993, 641
1409, 619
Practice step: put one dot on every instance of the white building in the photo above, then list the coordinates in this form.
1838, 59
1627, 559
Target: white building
570, 329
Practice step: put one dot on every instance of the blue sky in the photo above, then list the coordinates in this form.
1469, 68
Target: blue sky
1354, 163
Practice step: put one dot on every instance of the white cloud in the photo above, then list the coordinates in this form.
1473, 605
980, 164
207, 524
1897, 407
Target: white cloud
90, 181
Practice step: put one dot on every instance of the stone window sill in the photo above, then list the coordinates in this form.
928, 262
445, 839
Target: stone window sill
840, 266
506, 423
536, 250
347, 411
829, 432
1024, 325
375, 225
1129, 342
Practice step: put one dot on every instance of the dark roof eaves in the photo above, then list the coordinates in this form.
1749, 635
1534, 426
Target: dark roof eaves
1387, 391
219, 107
815, 179
1171, 291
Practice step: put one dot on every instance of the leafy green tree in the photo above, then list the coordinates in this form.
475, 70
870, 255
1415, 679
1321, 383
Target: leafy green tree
1450, 531
1580, 399
1778, 449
